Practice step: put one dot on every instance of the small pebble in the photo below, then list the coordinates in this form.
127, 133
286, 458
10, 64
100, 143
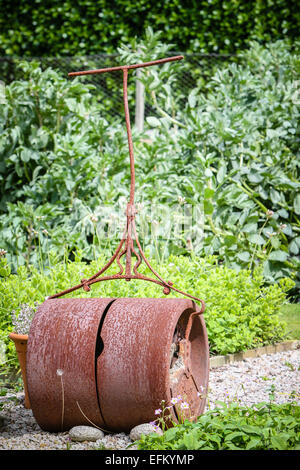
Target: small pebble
146, 428
85, 433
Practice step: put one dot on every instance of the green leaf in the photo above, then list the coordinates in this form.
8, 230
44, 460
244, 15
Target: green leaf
256, 239
244, 256
297, 204
279, 442
283, 213
278, 255
25, 155
253, 443
275, 242
153, 121
170, 433
275, 196
208, 207
294, 248
221, 174
255, 177
250, 429
233, 435
208, 193
190, 440
208, 172
250, 228
192, 98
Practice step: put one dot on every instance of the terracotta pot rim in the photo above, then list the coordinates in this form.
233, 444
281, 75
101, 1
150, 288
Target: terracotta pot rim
18, 336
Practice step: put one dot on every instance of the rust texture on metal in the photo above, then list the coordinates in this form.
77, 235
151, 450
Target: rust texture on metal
62, 344
99, 362
134, 373
129, 245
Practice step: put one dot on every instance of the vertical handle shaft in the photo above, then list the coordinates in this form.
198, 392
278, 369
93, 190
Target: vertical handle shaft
129, 135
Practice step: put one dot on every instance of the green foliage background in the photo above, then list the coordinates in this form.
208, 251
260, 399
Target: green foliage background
230, 148
64, 27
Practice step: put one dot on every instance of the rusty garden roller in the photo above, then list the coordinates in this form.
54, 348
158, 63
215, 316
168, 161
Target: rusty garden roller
111, 362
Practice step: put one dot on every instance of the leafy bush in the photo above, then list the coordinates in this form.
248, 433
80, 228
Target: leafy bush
230, 148
233, 146
265, 426
59, 27
240, 312
51, 171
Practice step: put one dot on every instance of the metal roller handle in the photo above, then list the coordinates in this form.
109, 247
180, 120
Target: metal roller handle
130, 234
123, 67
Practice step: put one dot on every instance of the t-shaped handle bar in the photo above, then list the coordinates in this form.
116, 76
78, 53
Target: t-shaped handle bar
122, 67
125, 69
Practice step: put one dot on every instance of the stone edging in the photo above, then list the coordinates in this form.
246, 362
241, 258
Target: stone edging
218, 361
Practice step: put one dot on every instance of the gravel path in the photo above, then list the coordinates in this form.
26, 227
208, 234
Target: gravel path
248, 381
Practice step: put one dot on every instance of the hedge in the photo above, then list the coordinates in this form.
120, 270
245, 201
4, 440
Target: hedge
64, 27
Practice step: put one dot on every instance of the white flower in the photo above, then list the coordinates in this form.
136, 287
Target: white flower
174, 401
23, 319
184, 405
59, 372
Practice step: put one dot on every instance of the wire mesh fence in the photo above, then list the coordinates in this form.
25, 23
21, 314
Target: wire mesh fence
108, 87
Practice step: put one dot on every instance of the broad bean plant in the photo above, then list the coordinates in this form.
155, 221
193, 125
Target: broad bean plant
228, 153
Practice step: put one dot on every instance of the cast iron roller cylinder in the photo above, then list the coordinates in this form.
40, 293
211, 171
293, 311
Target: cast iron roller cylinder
111, 362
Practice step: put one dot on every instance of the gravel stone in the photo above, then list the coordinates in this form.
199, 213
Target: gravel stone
248, 382
119, 441
146, 428
85, 433
3, 420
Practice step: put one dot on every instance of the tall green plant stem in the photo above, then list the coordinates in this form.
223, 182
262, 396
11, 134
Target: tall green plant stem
250, 194
164, 113
254, 251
